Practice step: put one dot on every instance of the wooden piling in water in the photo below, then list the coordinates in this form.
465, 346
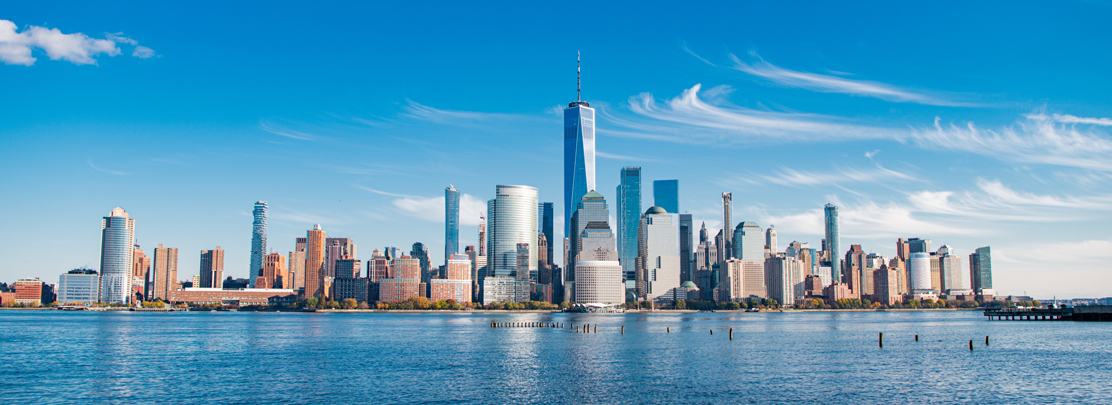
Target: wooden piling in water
623, 329
916, 338
595, 329
712, 332
986, 340
669, 330
971, 345
731, 333
881, 340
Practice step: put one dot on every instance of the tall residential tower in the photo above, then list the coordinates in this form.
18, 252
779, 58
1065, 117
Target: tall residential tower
117, 242
629, 218
258, 242
451, 222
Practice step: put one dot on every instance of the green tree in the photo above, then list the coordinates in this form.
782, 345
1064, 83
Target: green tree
771, 303
312, 302
681, 304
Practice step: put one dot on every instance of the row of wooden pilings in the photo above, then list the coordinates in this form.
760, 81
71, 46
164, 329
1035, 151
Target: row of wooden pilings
880, 341
585, 328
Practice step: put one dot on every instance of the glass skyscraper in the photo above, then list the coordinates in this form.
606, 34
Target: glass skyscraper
591, 208
980, 269
117, 245
833, 242
686, 272
511, 219
258, 241
579, 156
666, 194
629, 217
544, 210
451, 222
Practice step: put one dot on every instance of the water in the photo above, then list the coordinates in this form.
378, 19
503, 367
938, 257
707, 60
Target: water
81, 357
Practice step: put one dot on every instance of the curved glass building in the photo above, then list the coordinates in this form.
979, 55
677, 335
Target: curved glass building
511, 219
116, 249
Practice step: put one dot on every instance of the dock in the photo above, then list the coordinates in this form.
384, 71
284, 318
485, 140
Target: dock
1094, 313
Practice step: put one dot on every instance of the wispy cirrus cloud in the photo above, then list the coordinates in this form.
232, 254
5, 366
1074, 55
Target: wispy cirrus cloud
432, 208
16, 46
275, 129
791, 177
615, 156
423, 112
1070, 119
118, 173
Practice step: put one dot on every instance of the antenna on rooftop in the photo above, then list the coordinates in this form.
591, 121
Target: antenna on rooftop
577, 80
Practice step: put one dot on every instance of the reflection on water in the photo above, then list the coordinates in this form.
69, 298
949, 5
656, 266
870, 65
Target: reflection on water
52, 356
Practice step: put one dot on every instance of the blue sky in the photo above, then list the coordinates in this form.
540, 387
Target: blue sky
967, 124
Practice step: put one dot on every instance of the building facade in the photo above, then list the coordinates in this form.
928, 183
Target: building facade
980, 269
117, 246
629, 218
579, 156
314, 262
512, 219
833, 243
258, 243
658, 255
79, 286
666, 194
451, 222
165, 272
212, 268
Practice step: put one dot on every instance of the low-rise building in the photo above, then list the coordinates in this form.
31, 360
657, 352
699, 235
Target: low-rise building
239, 297
79, 286
28, 290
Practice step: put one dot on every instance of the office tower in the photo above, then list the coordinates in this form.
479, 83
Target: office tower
901, 269
872, 264
686, 256
275, 274
770, 239
140, 274
749, 242
522, 259
314, 262
579, 153
727, 225
79, 286
629, 218
456, 285
421, 252
920, 264
296, 269
833, 243
337, 249
512, 217
936, 272
916, 245
954, 275
116, 256
704, 260
980, 269
378, 267
258, 242
591, 208
212, 268
852, 267
598, 273
404, 281
479, 263
784, 278
903, 249
165, 272
666, 194
451, 222
658, 255
545, 213
28, 291
347, 284
731, 286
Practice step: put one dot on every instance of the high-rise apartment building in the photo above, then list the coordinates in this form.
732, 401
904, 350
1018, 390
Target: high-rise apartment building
658, 255
980, 269
258, 242
165, 272
833, 243
579, 154
666, 194
955, 276
512, 218
140, 274
337, 249
348, 268
275, 274
629, 218
852, 268
212, 268
784, 278
451, 222
457, 282
314, 262
749, 242
378, 267
421, 252
117, 245
404, 281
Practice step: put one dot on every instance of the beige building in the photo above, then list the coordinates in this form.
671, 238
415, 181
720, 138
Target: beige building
165, 273
275, 274
314, 262
212, 268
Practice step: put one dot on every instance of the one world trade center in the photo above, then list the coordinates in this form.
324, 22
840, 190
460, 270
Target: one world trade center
579, 153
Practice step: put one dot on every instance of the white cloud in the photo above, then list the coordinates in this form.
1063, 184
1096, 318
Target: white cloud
16, 47
118, 173
1069, 119
788, 176
833, 84
288, 133
432, 208
142, 52
691, 118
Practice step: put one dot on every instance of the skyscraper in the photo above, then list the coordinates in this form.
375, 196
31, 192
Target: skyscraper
451, 222
165, 272
512, 217
980, 269
275, 274
579, 153
770, 239
748, 246
212, 268
591, 208
833, 243
686, 271
629, 218
727, 225
916, 245
314, 262
258, 242
666, 194
544, 210
920, 264
658, 255
117, 244
336, 249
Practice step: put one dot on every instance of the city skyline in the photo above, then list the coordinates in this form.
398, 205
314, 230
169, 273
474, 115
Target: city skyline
905, 145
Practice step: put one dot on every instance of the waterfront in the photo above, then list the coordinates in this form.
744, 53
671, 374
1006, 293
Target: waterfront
55, 356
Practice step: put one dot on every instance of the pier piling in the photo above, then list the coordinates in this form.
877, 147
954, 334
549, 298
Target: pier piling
669, 330
986, 340
731, 333
881, 340
623, 329
970, 345
916, 338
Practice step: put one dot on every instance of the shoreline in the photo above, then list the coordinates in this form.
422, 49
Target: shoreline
504, 311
